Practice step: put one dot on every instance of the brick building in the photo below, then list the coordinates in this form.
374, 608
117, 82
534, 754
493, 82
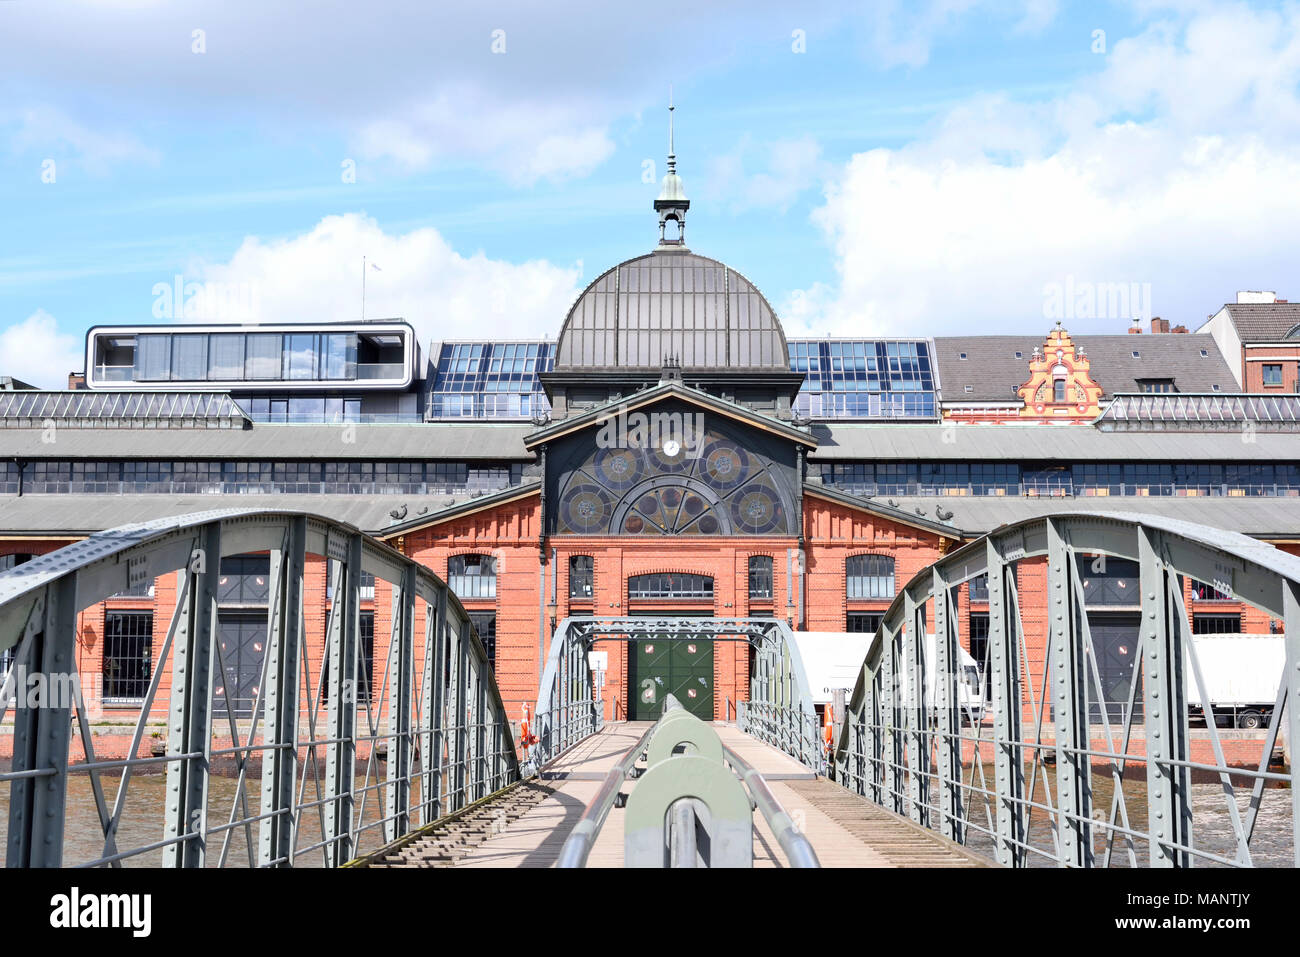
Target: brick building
671, 452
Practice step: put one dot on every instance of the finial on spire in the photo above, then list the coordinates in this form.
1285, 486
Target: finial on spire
672, 156
672, 202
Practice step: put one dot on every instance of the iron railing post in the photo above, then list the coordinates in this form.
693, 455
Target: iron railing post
283, 648
1291, 682
1008, 758
401, 667
40, 737
1169, 798
947, 657
190, 712
341, 753
1068, 694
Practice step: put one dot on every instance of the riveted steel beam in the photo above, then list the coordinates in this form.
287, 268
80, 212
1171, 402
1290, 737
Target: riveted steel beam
1169, 792
1067, 694
41, 718
341, 752
284, 661
1004, 666
189, 718
947, 655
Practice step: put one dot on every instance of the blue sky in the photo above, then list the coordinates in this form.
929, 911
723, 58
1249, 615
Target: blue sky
876, 168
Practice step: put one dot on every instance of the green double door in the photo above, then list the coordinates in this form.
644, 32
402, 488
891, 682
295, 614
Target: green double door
681, 665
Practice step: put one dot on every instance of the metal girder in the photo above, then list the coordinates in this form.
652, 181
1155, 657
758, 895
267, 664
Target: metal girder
1068, 694
947, 709
38, 610
189, 722
1291, 684
1004, 668
341, 753
1166, 551
401, 671
284, 641
915, 712
37, 804
1169, 786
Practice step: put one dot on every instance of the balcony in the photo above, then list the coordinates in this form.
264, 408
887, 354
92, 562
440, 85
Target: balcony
380, 370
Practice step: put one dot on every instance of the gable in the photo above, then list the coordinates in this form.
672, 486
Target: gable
671, 468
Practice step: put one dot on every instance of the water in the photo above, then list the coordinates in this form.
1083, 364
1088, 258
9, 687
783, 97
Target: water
142, 817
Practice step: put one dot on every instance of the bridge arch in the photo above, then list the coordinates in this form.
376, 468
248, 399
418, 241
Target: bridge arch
915, 743
435, 722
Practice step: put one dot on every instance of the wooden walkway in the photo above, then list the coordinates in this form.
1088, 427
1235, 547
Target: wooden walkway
845, 830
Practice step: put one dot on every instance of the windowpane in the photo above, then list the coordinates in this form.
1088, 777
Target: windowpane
128, 655
153, 358
225, 356
581, 569
189, 358
870, 576
263, 361
760, 576
300, 356
472, 576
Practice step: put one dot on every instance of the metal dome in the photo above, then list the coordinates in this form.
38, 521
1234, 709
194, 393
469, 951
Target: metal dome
672, 304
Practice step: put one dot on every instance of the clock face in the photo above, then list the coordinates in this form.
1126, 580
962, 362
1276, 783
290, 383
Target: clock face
672, 447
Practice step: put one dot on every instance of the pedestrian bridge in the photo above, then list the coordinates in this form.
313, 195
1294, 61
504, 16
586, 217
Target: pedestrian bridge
426, 769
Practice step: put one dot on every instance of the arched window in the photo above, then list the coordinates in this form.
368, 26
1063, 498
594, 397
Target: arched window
870, 576
760, 576
472, 576
670, 585
581, 568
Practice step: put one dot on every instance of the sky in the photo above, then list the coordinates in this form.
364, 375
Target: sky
875, 168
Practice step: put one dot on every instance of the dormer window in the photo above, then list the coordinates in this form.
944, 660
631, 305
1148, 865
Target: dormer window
962, 356
1136, 354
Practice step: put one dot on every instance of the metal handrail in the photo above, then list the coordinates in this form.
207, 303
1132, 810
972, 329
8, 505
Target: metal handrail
577, 847
798, 849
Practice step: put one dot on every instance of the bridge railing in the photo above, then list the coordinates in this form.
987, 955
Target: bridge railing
780, 710
328, 760
1066, 765
688, 808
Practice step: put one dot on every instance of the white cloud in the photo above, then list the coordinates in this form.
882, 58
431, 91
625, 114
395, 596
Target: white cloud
52, 133
524, 141
42, 355
791, 167
316, 277
1160, 170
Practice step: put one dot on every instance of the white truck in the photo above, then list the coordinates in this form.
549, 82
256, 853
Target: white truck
832, 661
1241, 674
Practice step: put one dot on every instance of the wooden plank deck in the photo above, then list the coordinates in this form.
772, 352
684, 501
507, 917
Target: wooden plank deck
845, 830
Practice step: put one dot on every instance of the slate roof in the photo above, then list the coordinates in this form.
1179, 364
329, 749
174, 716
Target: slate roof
976, 515
1264, 321
849, 441
994, 373
458, 441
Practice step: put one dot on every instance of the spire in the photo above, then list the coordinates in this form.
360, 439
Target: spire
672, 157
672, 202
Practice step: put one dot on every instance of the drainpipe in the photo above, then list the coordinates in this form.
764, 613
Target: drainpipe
19, 462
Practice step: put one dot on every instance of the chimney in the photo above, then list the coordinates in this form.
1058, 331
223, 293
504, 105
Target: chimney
1178, 329
1159, 325
1135, 330
76, 381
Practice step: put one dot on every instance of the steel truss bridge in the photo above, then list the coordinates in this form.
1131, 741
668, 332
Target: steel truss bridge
425, 769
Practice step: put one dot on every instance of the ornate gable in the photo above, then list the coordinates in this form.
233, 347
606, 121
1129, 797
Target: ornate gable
1060, 382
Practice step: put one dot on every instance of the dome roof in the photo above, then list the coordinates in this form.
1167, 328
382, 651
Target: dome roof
672, 304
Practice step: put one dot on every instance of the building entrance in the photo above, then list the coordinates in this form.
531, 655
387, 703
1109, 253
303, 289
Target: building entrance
681, 665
